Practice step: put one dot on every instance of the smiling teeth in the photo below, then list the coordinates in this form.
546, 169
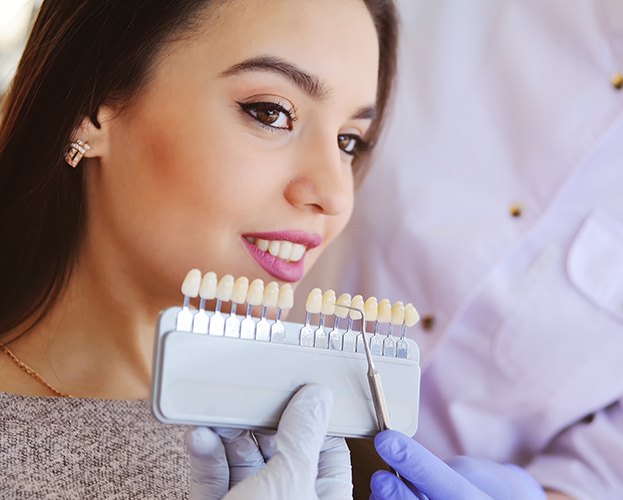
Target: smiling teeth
285, 250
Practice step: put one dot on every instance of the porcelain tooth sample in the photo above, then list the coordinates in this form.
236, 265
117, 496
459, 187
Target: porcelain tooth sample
341, 311
255, 294
207, 291
270, 299
349, 339
371, 310
327, 308
312, 306
397, 319
384, 317
410, 319
285, 301
190, 290
238, 296
224, 290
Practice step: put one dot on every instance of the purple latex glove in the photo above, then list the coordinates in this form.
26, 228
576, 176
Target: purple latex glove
462, 477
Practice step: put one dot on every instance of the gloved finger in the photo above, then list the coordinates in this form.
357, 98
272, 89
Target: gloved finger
292, 470
303, 425
209, 471
498, 480
385, 485
427, 472
268, 443
334, 470
243, 454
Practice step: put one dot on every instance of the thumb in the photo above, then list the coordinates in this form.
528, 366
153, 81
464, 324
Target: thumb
302, 430
292, 470
209, 471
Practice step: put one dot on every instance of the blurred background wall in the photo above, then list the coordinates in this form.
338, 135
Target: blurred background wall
16, 17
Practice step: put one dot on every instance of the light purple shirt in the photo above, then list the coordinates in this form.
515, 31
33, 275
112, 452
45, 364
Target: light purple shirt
505, 104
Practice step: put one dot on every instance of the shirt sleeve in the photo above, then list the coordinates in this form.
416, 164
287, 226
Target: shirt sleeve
585, 460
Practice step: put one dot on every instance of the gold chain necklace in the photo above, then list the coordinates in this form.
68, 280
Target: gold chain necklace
23, 366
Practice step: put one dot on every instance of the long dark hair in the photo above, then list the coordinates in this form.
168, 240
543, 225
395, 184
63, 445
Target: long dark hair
82, 54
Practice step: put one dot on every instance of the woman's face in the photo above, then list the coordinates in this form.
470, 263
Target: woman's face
243, 138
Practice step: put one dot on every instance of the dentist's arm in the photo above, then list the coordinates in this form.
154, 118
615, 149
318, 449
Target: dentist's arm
295, 462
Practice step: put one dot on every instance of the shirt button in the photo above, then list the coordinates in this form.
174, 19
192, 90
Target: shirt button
428, 322
617, 81
515, 210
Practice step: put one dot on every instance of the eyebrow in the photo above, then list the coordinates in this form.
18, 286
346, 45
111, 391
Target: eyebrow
310, 84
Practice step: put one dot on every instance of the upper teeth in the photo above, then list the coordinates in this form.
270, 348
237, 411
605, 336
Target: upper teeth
285, 250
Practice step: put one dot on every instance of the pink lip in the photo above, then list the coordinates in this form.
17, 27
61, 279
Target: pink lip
279, 268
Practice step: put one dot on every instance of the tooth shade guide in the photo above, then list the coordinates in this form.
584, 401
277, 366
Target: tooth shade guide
376, 345
247, 325
286, 296
232, 323
241, 288
270, 297
209, 282
201, 321
225, 288
191, 283
335, 338
187, 364
389, 347
402, 348
411, 315
190, 289
314, 301
306, 335
274, 296
321, 338
255, 294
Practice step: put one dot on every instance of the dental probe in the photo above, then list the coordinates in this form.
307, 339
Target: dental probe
376, 388
374, 379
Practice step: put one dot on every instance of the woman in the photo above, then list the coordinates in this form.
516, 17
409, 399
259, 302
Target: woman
193, 128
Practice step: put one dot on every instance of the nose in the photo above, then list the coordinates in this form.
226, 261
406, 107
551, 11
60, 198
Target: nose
324, 179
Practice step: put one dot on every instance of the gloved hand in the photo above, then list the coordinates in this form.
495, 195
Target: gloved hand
295, 462
461, 478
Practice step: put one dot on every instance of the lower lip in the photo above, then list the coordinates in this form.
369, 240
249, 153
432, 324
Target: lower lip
281, 269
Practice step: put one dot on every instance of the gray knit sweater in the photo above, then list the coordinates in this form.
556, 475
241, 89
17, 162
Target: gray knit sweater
60, 448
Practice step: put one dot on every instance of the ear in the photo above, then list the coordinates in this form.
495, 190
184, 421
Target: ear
95, 135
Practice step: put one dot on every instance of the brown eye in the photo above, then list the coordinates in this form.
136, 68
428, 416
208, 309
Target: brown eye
348, 143
270, 114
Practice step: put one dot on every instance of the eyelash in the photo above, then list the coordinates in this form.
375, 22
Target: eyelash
253, 108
